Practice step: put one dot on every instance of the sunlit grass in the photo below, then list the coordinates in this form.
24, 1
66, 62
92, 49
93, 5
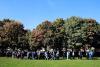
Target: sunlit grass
9, 62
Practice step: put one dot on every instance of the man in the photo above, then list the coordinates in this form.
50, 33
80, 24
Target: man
52, 54
22, 54
46, 55
38, 54
93, 50
57, 55
9, 52
68, 54
73, 54
80, 53
87, 53
91, 53
13, 54
33, 55
64, 53
18, 53
28, 54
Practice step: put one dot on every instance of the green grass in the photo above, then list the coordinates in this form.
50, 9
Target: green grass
9, 62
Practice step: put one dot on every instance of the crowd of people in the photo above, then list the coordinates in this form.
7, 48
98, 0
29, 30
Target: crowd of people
51, 54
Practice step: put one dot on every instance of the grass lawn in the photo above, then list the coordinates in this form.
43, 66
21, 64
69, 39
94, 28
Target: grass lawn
9, 62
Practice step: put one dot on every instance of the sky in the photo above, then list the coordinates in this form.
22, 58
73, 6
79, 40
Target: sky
33, 12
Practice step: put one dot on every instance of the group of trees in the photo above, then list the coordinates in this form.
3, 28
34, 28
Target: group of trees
12, 34
73, 32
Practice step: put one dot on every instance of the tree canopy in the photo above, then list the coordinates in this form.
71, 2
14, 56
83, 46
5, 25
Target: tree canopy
73, 32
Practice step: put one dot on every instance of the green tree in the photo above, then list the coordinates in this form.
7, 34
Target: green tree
80, 31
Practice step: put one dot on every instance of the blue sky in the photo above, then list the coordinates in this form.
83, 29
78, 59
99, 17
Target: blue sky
33, 12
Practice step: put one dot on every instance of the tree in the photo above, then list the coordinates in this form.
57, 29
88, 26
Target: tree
80, 31
73, 32
11, 34
59, 38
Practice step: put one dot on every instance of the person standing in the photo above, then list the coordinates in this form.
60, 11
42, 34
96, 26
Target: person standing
28, 55
87, 53
93, 50
13, 54
91, 53
73, 54
64, 53
38, 54
68, 54
80, 53
33, 55
46, 55
57, 55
